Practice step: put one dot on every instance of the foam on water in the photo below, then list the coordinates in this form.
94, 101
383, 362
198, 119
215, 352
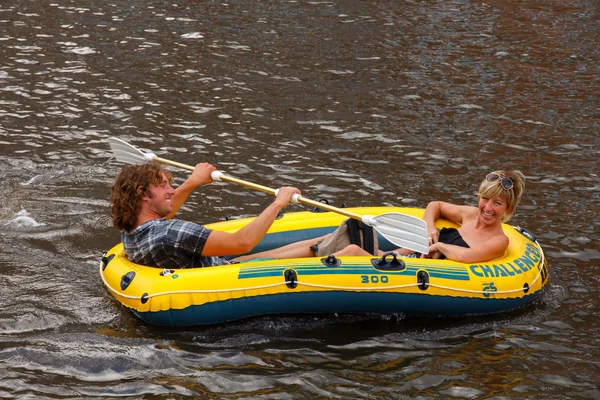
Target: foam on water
21, 220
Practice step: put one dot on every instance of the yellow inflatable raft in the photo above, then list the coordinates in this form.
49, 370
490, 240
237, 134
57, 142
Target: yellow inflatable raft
384, 285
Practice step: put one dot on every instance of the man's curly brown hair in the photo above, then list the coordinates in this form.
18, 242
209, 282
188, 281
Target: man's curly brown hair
131, 185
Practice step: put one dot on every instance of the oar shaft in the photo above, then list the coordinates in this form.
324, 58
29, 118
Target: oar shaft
301, 199
173, 163
222, 176
265, 189
250, 185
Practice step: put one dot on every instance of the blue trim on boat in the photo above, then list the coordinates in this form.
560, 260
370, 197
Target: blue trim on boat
270, 271
278, 239
332, 302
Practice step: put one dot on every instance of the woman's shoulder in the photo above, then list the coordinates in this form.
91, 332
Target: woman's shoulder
458, 214
470, 211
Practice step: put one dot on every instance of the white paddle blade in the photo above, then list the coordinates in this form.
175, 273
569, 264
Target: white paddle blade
126, 153
402, 230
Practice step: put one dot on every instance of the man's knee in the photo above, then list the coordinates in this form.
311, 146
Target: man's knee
351, 250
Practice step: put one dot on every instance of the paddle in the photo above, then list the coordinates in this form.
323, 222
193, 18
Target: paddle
400, 229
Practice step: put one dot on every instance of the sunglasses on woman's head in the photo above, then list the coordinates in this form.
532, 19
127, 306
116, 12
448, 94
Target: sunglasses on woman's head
506, 183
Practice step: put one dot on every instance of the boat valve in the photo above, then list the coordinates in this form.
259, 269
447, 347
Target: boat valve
526, 233
331, 261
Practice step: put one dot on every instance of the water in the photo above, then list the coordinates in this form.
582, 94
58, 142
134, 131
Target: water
363, 103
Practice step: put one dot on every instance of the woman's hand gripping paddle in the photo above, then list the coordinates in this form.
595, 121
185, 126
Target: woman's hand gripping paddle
402, 230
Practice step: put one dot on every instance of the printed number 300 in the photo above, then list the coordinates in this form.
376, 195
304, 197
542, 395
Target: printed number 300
373, 279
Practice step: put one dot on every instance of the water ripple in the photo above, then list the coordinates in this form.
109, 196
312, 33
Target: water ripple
359, 103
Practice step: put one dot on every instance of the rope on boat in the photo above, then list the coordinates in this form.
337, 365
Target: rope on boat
386, 288
186, 291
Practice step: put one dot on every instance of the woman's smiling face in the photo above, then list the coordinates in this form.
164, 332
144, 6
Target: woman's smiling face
492, 209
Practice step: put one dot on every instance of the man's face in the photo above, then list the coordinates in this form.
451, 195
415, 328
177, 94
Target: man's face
159, 200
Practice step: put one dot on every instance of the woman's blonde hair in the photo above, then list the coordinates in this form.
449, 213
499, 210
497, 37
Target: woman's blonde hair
131, 185
495, 188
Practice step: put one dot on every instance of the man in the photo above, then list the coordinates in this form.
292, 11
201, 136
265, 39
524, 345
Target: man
143, 203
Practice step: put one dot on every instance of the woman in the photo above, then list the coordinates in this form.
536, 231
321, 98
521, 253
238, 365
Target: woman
479, 238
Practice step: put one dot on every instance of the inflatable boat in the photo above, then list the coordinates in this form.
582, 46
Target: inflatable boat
388, 284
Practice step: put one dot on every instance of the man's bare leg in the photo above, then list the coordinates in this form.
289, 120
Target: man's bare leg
292, 250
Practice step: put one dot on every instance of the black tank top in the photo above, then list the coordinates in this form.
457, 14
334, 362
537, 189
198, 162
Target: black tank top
451, 236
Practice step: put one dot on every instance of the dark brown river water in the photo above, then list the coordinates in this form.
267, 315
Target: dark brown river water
359, 102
